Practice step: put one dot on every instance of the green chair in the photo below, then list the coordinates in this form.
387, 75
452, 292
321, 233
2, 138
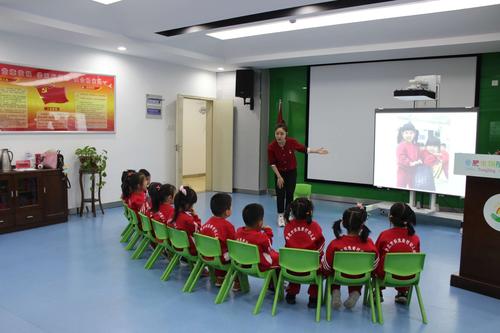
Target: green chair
180, 246
245, 259
302, 191
209, 254
402, 265
161, 233
359, 264
137, 233
303, 262
147, 236
129, 229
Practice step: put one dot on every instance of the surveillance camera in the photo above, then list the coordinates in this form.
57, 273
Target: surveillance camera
292, 20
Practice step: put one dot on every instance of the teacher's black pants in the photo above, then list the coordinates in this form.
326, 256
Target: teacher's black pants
285, 194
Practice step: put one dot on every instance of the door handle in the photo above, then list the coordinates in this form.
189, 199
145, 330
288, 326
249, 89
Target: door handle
29, 217
44, 189
12, 194
2, 221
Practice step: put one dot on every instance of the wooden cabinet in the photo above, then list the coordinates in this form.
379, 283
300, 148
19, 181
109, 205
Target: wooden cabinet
31, 199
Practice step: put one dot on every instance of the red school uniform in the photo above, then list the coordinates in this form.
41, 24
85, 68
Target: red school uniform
221, 229
269, 258
164, 214
190, 223
284, 157
301, 235
136, 200
395, 240
351, 243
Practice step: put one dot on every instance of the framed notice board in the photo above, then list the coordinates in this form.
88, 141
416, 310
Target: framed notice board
44, 100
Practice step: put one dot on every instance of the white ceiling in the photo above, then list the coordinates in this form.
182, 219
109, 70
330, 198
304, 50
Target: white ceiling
133, 23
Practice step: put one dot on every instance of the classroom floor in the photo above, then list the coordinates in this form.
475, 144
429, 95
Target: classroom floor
77, 277
198, 183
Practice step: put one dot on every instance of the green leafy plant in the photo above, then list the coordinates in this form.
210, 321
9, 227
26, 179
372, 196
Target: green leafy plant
94, 162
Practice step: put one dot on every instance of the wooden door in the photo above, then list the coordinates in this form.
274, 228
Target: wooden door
222, 145
55, 197
28, 199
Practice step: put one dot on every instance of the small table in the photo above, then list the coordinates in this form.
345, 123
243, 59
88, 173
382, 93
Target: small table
92, 198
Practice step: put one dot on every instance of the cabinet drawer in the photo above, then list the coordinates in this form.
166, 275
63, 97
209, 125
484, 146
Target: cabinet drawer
29, 217
6, 219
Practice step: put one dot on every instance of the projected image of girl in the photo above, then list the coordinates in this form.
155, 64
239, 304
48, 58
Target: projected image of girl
407, 155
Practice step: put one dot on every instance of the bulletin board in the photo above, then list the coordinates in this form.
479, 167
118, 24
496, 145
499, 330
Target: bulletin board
45, 100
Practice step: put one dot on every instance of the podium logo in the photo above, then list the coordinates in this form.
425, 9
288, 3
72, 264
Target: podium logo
491, 212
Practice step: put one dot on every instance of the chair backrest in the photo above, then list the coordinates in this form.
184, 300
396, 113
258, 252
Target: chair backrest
125, 210
145, 222
209, 251
403, 265
178, 238
360, 264
160, 229
244, 257
207, 246
302, 190
304, 262
133, 216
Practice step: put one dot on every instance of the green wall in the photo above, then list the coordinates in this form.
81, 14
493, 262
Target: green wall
290, 84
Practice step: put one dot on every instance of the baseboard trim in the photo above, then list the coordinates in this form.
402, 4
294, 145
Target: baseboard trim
114, 204
255, 192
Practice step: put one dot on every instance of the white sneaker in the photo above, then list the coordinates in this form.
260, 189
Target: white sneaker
351, 301
337, 302
281, 220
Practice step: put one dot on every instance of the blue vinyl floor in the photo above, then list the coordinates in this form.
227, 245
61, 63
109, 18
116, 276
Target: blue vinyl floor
77, 277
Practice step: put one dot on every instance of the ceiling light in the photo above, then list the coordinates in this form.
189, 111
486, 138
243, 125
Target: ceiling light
106, 2
220, 68
353, 16
122, 48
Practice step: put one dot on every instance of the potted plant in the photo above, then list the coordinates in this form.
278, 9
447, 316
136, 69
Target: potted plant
93, 162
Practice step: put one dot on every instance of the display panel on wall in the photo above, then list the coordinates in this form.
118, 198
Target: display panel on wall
44, 100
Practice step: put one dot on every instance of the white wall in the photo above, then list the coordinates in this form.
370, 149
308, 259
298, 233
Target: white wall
139, 142
194, 137
249, 163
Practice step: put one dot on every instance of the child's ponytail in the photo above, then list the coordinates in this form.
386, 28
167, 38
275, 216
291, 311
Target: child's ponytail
336, 228
365, 232
184, 200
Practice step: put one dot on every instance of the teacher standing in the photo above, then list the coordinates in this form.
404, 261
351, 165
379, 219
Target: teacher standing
281, 156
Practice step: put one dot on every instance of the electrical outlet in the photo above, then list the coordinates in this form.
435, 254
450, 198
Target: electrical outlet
494, 83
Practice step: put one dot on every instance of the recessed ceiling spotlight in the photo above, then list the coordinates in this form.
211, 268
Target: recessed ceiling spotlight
220, 68
122, 48
106, 2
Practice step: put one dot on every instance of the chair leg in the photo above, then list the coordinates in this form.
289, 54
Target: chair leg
370, 296
154, 256
141, 248
365, 296
280, 286
379, 305
171, 265
194, 276
229, 284
318, 305
410, 293
126, 233
135, 237
212, 275
245, 286
421, 304
262, 293
328, 299
225, 285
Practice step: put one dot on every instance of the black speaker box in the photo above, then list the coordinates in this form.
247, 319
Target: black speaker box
244, 83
